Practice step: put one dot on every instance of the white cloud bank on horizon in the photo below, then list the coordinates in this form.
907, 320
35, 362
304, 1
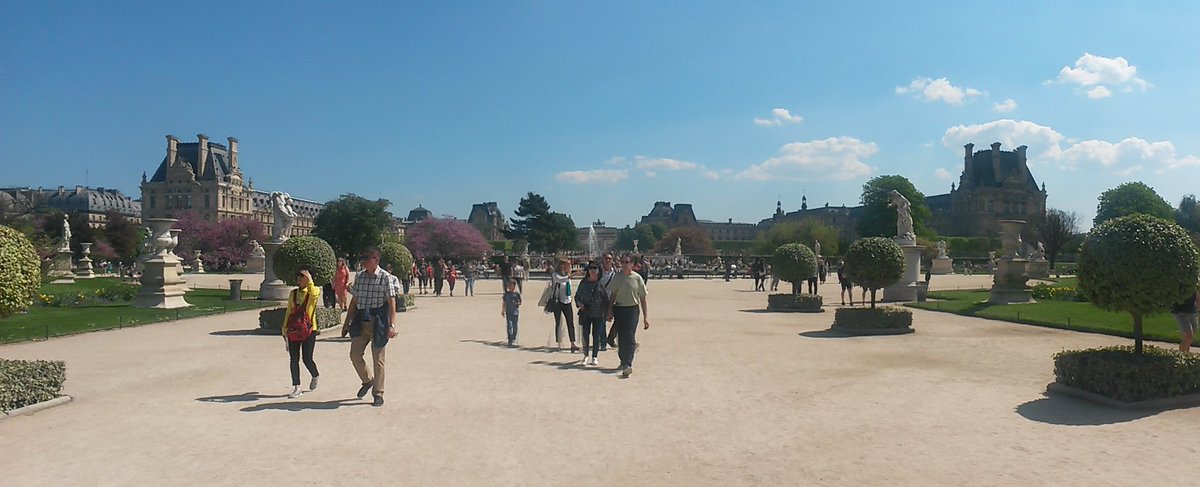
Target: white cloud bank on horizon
1100, 75
779, 116
1122, 158
593, 176
940, 89
831, 159
649, 164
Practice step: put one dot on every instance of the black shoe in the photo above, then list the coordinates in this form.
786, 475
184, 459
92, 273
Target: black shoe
378, 401
612, 343
362, 391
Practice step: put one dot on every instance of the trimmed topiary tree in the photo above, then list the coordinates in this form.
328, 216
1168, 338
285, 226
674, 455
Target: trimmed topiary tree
307, 251
794, 263
874, 263
1138, 264
20, 272
398, 256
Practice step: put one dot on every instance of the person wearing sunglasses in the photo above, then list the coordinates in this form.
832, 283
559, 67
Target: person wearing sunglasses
592, 299
560, 303
627, 293
299, 329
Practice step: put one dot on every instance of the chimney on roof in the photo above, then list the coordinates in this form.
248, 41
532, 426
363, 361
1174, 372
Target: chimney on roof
968, 158
172, 149
78, 189
1022, 165
202, 158
996, 162
233, 162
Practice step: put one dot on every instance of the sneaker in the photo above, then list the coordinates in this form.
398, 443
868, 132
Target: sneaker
510, 344
378, 401
296, 392
595, 362
585, 362
312, 386
362, 391
626, 372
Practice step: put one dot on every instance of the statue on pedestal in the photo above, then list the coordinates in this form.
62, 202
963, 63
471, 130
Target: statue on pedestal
817, 247
66, 236
678, 246
1039, 252
941, 247
904, 221
285, 216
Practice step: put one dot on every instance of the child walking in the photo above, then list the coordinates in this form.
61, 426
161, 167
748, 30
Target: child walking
510, 310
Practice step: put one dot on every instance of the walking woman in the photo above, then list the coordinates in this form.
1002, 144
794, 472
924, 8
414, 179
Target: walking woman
592, 299
627, 291
299, 327
341, 281
439, 277
560, 302
451, 276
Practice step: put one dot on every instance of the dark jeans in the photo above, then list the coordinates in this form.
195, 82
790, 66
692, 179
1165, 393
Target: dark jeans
510, 321
295, 349
328, 295
594, 328
437, 286
560, 311
520, 285
625, 321
812, 285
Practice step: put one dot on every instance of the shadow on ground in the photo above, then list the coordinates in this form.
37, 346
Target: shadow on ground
1070, 411
304, 405
236, 333
576, 365
829, 333
243, 397
504, 345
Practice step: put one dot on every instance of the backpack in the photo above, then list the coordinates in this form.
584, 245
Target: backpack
299, 327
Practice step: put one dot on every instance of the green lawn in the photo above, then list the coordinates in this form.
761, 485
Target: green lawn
46, 322
1067, 315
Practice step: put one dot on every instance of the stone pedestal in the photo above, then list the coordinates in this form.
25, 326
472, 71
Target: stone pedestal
161, 286
61, 268
84, 269
942, 265
905, 289
197, 264
1038, 269
272, 288
178, 262
256, 264
1008, 284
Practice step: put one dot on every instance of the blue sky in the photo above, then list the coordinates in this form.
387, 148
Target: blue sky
604, 107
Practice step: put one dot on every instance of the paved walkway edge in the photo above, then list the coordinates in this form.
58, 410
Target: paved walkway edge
1178, 402
33, 408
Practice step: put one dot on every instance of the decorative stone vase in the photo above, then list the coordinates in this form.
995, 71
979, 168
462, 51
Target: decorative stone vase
197, 264
84, 270
1008, 283
161, 286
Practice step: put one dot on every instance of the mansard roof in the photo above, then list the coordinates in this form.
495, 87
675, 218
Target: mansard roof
983, 175
216, 167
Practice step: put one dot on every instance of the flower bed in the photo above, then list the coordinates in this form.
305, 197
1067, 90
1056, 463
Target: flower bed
28, 382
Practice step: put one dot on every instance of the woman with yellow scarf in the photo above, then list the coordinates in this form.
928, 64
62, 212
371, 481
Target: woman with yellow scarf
299, 329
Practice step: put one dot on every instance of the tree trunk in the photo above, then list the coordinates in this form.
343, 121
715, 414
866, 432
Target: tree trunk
1137, 333
795, 287
872, 299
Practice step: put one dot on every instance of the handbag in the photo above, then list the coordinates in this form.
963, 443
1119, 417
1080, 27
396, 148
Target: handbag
547, 293
299, 327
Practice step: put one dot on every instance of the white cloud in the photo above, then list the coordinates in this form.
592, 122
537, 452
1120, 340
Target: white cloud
942, 174
648, 163
710, 174
615, 161
938, 90
779, 116
1102, 74
593, 176
1122, 158
832, 159
1005, 106
1099, 92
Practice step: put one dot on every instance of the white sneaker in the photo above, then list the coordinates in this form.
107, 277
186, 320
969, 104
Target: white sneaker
595, 362
585, 360
296, 392
312, 386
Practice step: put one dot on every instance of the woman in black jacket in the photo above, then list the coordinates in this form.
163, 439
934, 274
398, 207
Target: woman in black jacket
592, 299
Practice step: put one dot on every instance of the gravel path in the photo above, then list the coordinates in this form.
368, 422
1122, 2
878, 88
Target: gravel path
722, 394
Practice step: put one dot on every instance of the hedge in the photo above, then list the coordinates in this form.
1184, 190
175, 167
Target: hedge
20, 272
272, 319
872, 318
1117, 372
28, 382
398, 257
306, 251
794, 302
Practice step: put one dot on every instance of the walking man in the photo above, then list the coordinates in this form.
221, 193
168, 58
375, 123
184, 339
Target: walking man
371, 320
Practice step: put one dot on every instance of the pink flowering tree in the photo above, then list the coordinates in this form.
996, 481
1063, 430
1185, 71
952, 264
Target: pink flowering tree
225, 244
434, 238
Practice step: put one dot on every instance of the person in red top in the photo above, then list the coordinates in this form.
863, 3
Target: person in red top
450, 276
341, 281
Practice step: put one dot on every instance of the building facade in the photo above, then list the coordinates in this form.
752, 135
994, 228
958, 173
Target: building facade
95, 203
995, 185
205, 177
486, 218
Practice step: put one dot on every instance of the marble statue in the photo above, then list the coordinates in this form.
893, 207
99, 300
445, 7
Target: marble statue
678, 245
1039, 253
941, 247
257, 251
285, 216
904, 222
635, 245
817, 247
66, 235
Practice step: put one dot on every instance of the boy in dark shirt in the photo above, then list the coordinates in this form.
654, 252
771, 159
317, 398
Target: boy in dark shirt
510, 310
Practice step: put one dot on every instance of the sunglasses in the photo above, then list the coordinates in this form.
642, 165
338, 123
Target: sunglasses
626, 261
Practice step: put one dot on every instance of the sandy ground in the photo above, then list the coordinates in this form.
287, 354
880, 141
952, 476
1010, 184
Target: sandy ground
722, 394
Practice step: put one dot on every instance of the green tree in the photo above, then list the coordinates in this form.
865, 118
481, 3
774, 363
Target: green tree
692, 240
531, 209
123, 235
546, 231
305, 252
878, 219
1138, 264
398, 257
794, 263
805, 231
874, 263
559, 234
20, 272
647, 236
1188, 214
1129, 198
352, 224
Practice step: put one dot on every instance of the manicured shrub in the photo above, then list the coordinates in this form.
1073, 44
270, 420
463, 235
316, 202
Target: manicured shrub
26, 382
872, 318
1125, 374
794, 263
1138, 264
20, 272
874, 263
272, 319
306, 251
408, 300
794, 302
398, 257
1050, 292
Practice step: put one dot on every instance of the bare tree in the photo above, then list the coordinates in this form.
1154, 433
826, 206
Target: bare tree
1059, 227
